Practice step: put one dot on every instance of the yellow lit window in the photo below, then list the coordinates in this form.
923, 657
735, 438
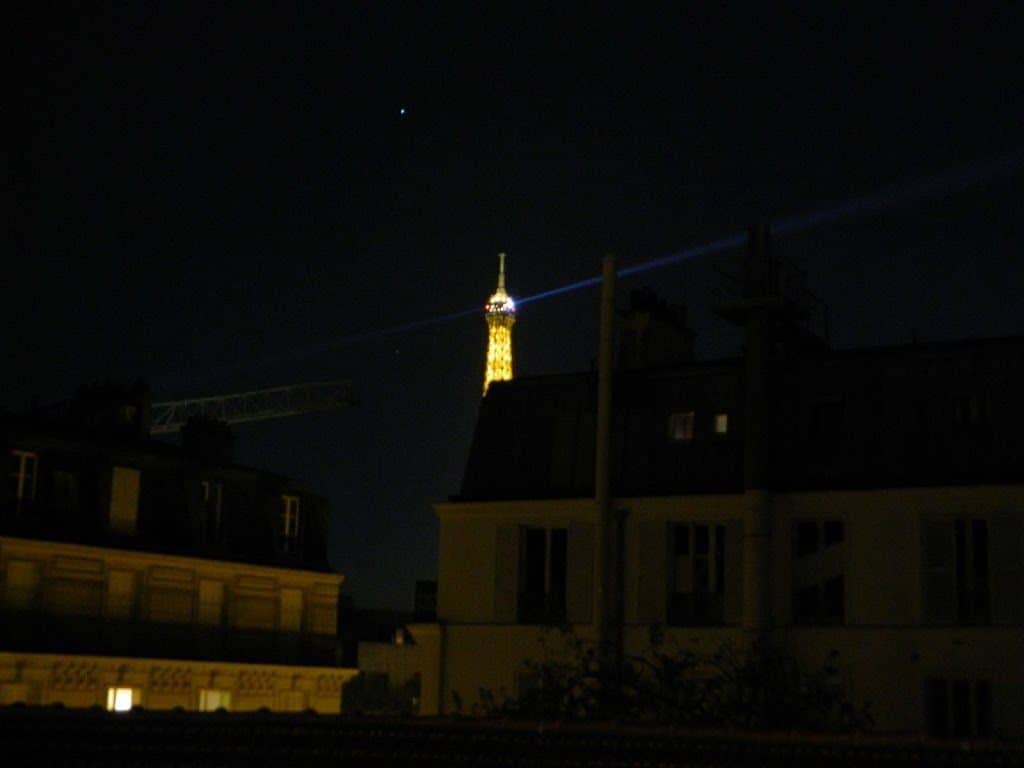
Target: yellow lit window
721, 423
210, 700
120, 699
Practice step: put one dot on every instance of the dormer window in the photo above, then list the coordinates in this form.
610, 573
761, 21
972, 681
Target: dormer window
213, 495
289, 531
680, 427
24, 469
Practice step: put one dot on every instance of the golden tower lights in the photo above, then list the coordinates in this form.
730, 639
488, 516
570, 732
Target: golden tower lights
501, 316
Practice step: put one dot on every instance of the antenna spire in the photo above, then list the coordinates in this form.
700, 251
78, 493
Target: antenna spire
501, 272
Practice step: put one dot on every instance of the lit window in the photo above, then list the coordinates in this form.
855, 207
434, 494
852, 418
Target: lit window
120, 699
210, 700
23, 476
680, 427
721, 423
289, 523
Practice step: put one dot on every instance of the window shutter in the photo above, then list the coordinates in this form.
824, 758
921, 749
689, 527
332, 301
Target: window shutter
580, 580
506, 551
938, 573
652, 582
1007, 570
733, 587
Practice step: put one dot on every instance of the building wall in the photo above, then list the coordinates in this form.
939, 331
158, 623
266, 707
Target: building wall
888, 643
84, 681
71, 579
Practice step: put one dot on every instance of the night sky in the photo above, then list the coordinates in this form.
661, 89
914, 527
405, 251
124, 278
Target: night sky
218, 199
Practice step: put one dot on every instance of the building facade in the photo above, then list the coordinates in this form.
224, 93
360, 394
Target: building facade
867, 501
139, 573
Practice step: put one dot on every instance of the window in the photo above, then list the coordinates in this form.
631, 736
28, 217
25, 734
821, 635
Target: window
126, 414
680, 427
969, 410
213, 496
211, 699
697, 572
819, 589
120, 699
955, 577
542, 575
289, 523
24, 465
124, 500
958, 708
721, 424
65, 490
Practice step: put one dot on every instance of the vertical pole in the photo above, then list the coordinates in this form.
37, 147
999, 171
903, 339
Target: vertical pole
607, 538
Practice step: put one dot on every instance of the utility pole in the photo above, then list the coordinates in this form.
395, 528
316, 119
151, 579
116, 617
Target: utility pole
609, 567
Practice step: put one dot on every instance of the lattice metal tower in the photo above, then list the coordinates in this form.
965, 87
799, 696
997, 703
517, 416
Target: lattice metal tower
501, 316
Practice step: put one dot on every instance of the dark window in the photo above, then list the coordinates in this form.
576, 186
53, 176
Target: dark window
213, 498
961, 708
936, 709
542, 581
833, 532
65, 491
806, 538
818, 590
697, 573
833, 601
958, 708
983, 708
806, 605
971, 548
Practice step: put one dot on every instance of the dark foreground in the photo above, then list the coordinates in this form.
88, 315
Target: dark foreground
47, 736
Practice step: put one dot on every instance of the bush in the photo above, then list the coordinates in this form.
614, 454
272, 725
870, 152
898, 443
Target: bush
372, 693
756, 689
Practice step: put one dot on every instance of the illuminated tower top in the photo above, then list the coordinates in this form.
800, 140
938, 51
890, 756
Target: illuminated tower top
500, 312
500, 302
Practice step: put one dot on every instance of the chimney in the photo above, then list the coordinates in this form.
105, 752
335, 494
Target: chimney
654, 332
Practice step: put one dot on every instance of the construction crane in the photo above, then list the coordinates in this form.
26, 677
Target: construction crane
257, 405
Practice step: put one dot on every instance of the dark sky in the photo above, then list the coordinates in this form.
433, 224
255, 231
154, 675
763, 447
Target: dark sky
216, 197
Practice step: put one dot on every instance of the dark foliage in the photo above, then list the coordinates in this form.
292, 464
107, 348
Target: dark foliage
375, 694
754, 689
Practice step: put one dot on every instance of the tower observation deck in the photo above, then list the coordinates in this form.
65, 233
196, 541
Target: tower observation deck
500, 312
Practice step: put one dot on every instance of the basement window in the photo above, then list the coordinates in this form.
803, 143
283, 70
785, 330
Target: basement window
120, 699
211, 699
